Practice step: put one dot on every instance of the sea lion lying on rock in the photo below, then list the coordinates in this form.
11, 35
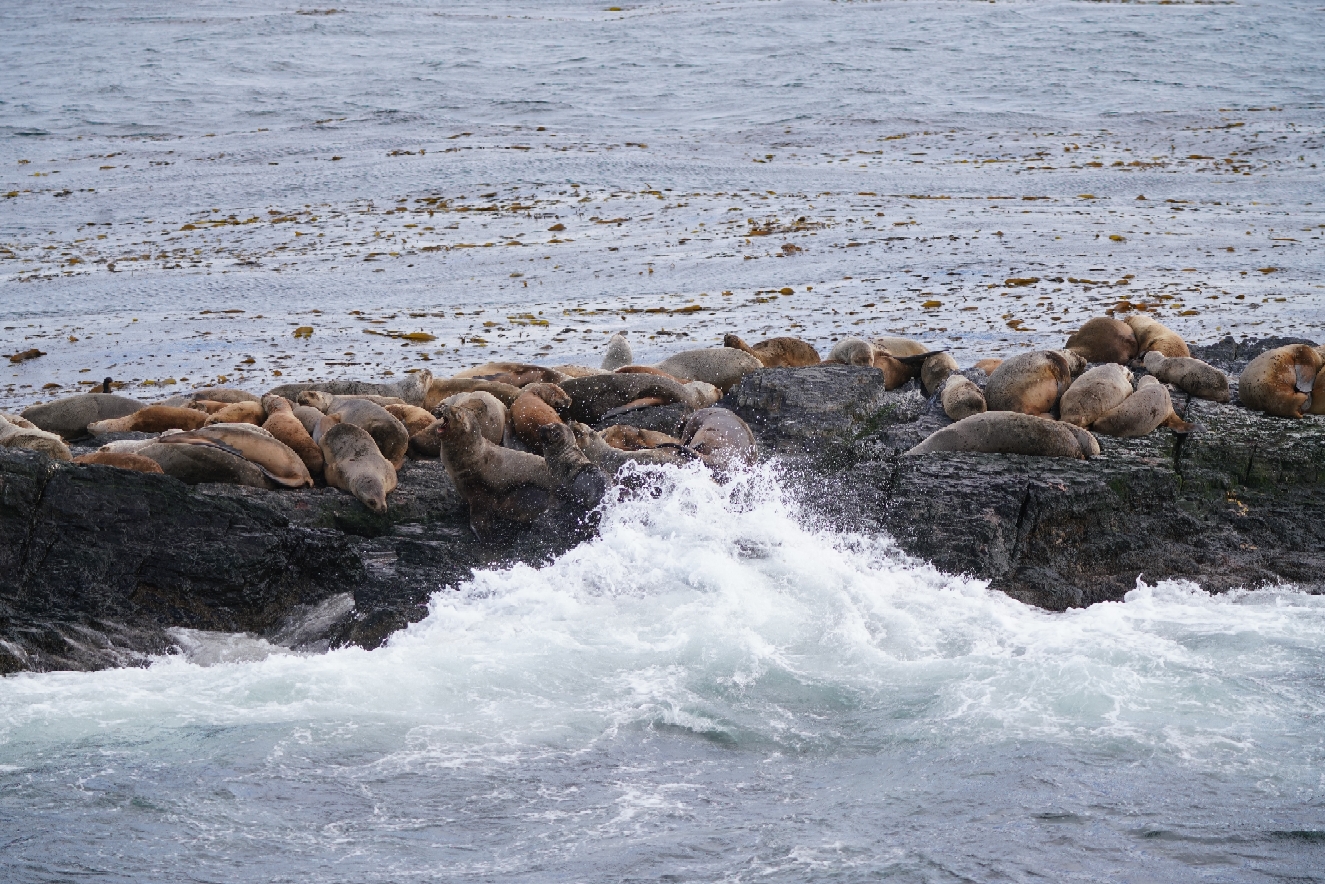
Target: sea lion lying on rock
499, 484
1010, 432
1192, 376
1152, 336
244, 412
412, 389
282, 423
1104, 339
722, 367
988, 365
776, 352
624, 437
935, 370
227, 395
123, 460
1282, 382
1094, 394
592, 398
442, 389
537, 406
852, 351
517, 374
1029, 383
961, 398
354, 463
413, 417
257, 446
719, 437
202, 464
390, 435
1141, 413
152, 419
71, 417
18, 432
610, 460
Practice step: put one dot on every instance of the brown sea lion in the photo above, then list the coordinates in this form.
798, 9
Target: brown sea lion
719, 437
722, 367
354, 463
71, 417
1094, 394
1141, 413
243, 412
610, 460
205, 464
1192, 376
961, 398
152, 419
413, 417
704, 394
493, 416
578, 480
442, 389
1029, 383
1005, 432
18, 432
776, 352
935, 370
592, 398
988, 365
624, 437
900, 359
1280, 381
390, 434
538, 405
647, 369
207, 406
282, 423
618, 352
257, 446
499, 484
1104, 339
123, 460
578, 371
226, 395
517, 374
1152, 336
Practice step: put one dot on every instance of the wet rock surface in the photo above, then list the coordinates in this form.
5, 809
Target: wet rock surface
98, 564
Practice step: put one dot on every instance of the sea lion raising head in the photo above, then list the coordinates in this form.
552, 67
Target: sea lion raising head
1104, 339
537, 406
776, 352
1152, 336
618, 352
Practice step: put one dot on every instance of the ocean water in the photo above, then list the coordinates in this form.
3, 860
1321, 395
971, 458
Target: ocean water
715, 689
712, 690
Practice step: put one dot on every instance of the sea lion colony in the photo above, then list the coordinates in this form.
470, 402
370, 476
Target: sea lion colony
513, 436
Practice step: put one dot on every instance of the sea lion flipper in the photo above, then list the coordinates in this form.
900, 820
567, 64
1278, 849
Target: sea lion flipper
918, 359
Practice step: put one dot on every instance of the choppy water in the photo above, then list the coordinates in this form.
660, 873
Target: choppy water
709, 691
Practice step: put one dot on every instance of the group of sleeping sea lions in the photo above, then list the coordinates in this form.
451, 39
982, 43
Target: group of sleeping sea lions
513, 435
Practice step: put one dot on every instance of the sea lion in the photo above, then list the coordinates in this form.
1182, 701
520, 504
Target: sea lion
618, 352
499, 484
1029, 383
1094, 394
719, 437
324, 401
852, 351
442, 389
935, 370
1005, 432
199, 464
961, 398
354, 463
610, 460
900, 359
1152, 336
390, 434
988, 365
70, 417
257, 446
578, 371
225, 395
722, 367
1279, 381
592, 398
538, 405
18, 432
1141, 413
776, 352
152, 419
517, 374
411, 389
1104, 339
578, 480
133, 446
1192, 376
308, 416
648, 369
242, 412
493, 416
282, 423
624, 437
122, 460
413, 417
704, 394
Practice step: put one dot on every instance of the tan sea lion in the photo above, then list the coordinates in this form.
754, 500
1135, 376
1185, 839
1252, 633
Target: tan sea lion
390, 434
776, 352
122, 460
18, 432
517, 374
1152, 336
578, 371
852, 351
610, 460
354, 463
411, 389
1141, 413
492, 415
257, 446
1029, 383
719, 437
618, 352
1094, 394
324, 401
900, 359
205, 464
152, 419
988, 365
538, 405
226, 395
499, 484
722, 367
624, 437
442, 389
961, 398
413, 417
243, 412
935, 370
1279, 381
1005, 432
592, 398
647, 369
1192, 376
1104, 339
71, 417
207, 406
704, 394
282, 423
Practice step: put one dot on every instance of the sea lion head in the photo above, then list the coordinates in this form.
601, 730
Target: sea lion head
551, 394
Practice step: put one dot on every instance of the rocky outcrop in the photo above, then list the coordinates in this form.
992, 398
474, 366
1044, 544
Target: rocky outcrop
97, 564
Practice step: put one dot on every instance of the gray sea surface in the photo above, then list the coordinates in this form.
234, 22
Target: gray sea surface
714, 689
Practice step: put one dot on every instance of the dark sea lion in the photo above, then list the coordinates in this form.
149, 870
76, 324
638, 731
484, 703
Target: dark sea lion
390, 434
226, 395
71, 417
1152, 336
578, 480
282, 423
123, 460
200, 464
354, 464
537, 406
1029, 383
777, 352
499, 484
1192, 376
722, 367
961, 398
1280, 381
257, 446
591, 398
618, 352
1005, 432
411, 389
719, 437
1096, 393
1104, 339
152, 419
